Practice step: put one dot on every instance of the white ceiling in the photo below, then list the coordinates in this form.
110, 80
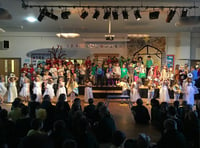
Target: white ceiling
75, 24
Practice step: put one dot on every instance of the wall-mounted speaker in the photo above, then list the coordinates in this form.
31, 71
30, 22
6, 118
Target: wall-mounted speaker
5, 44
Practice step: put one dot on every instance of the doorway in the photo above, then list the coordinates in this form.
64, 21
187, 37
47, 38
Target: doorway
10, 65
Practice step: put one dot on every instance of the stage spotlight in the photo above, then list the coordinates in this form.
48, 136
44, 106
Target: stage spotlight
125, 14
42, 14
106, 14
184, 13
96, 14
154, 15
137, 15
115, 15
51, 15
65, 14
170, 16
84, 14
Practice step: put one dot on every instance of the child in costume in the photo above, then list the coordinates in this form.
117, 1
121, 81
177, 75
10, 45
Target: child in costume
109, 75
164, 75
12, 91
49, 90
37, 88
164, 94
134, 93
124, 72
88, 91
72, 88
25, 91
125, 87
151, 90
142, 74
3, 89
177, 88
170, 76
61, 88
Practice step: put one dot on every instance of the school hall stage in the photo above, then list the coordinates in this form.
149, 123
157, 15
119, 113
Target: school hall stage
104, 91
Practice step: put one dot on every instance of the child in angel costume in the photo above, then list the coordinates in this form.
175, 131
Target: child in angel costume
134, 93
3, 89
177, 88
170, 75
151, 90
164, 75
88, 91
164, 94
12, 91
25, 90
37, 88
72, 88
49, 90
61, 88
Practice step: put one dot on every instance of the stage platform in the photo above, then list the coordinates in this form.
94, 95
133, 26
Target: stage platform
104, 91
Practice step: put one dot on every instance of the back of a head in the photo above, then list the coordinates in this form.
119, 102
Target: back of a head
61, 98
118, 138
103, 111
36, 124
24, 110
176, 103
59, 125
46, 98
90, 101
139, 102
41, 114
16, 103
170, 124
171, 111
3, 114
130, 143
33, 97
143, 141
69, 143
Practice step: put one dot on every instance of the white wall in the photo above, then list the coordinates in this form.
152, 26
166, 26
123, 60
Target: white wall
195, 46
177, 44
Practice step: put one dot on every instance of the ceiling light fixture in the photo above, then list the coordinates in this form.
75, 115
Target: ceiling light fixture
170, 16
125, 14
84, 14
67, 35
96, 14
65, 14
31, 19
106, 14
42, 14
115, 15
51, 15
154, 15
184, 13
137, 14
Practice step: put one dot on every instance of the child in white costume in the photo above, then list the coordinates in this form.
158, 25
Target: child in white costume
61, 88
88, 91
125, 87
12, 92
151, 90
3, 89
25, 90
37, 88
49, 90
189, 90
134, 93
164, 94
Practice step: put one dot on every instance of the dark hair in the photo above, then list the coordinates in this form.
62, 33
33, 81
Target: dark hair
24, 110
176, 103
36, 124
3, 114
90, 101
46, 98
139, 102
61, 98
118, 138
33, 97
16, 103
59, 125
69, 143
172, 111
130, 143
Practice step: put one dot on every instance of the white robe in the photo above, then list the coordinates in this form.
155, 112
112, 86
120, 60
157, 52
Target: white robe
3, 89
134, 94
49, 90
88, 93
164, 94
37, 89
61, 90
25, 91
189, 94
12, 92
